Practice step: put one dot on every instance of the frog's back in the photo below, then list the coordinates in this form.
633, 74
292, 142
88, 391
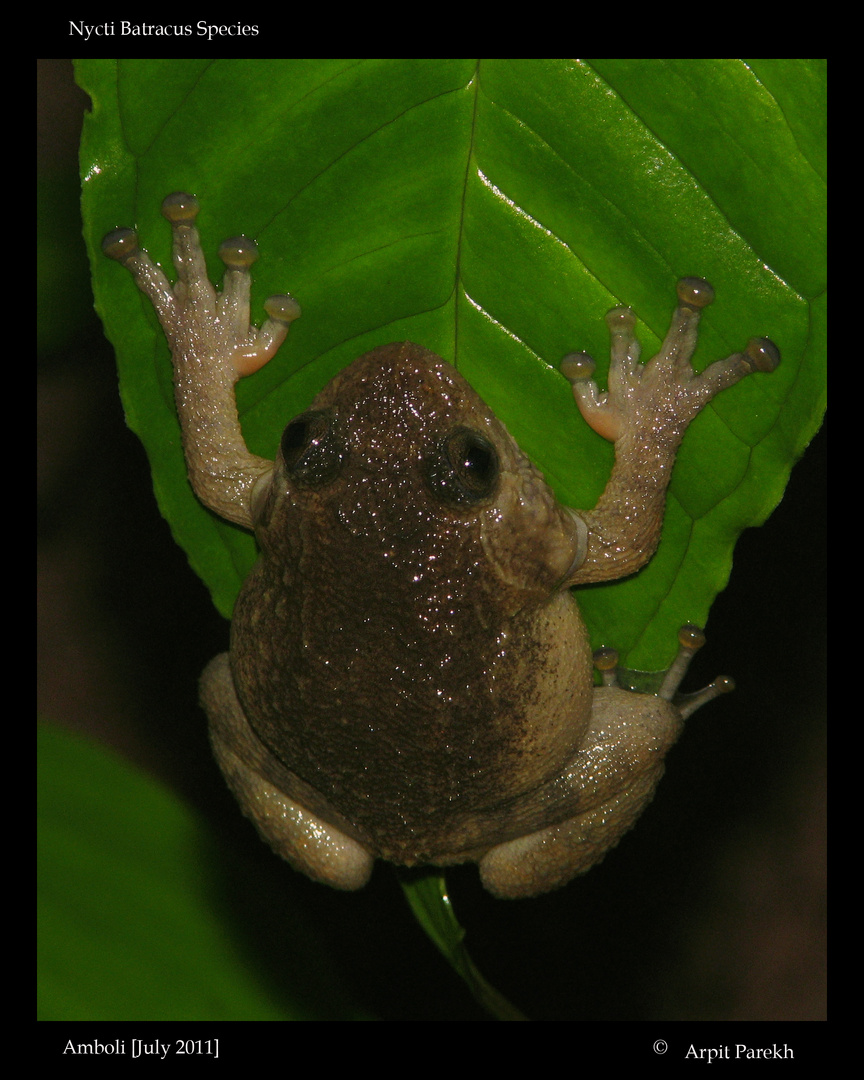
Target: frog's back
384, 643
417, 730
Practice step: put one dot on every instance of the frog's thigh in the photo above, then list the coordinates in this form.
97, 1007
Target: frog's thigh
614, 775
309, 844
545, 860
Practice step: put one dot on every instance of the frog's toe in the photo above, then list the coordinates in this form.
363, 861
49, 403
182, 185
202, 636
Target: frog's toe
690, 640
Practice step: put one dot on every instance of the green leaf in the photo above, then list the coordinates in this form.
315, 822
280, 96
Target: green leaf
431, 905
492, 211
129, 923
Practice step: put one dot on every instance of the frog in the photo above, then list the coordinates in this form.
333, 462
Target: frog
409, 677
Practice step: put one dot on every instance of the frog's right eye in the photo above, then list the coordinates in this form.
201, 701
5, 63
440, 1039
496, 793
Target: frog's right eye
311, 449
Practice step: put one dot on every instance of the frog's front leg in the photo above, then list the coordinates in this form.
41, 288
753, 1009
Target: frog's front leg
645, 413
212, 346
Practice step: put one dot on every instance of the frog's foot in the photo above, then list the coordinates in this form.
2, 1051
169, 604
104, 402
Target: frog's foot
690, 640
612, 778
304, 839
198, 320
666, 393
212, 346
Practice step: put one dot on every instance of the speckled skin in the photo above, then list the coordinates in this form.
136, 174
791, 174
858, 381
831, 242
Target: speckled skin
409, 676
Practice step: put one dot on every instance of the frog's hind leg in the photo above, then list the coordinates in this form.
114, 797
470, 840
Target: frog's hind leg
612, 778
310, 844
547, 859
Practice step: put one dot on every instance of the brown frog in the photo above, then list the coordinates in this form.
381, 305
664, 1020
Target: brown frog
409, 676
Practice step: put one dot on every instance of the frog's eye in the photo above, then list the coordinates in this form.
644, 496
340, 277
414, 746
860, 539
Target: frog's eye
463, 469
311, 450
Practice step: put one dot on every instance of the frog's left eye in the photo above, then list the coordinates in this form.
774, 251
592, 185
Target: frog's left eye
463, 468
312, 452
